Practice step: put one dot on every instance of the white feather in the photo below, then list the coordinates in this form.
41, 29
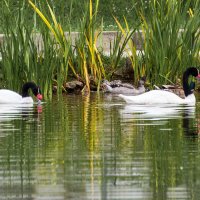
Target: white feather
159, 97
11, 97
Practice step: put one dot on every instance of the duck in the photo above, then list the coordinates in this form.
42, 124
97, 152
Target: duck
12, 97
117, 87
167, 97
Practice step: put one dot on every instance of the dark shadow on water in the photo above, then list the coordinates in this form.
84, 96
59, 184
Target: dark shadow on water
188, 126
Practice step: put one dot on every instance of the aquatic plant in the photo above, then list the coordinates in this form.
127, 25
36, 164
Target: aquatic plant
62, 45
19, 54
168, 31
124, 46
85, 52
87, 55
170, 39
22, 57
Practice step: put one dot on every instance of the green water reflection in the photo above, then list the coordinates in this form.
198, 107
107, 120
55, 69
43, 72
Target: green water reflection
96, 147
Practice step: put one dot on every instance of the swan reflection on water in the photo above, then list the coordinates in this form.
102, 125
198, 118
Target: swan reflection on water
161, 115
156, 112
11, 111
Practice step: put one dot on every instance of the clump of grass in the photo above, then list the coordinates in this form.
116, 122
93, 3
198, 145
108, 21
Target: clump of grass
19, 56
170, 42
125, 45
88, 56
21, 59
84, 53
62, 46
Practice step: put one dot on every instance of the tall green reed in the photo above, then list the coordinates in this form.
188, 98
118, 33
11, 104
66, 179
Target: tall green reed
170, 42
170, 39
124, 46
88, 56
85, 52
62, 45
23, 59
49, 60
18, 51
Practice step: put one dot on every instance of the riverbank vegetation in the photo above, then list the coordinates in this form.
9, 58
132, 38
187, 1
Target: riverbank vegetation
35, 46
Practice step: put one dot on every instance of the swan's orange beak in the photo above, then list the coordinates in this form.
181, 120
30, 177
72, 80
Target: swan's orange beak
39, 96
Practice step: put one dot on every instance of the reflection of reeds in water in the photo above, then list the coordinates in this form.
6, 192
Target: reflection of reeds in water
90, 133
81, 147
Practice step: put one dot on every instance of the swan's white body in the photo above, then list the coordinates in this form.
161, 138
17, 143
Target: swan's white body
159, 97
11, 97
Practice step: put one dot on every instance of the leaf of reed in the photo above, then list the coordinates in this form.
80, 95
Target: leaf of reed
159, 32
119, 25
127, 26
72, 68
46, 22
90, 10
97, 5
84, 68
90, 46
53, 17
100, 61
43, 17
60, 33
144, 20
86, 75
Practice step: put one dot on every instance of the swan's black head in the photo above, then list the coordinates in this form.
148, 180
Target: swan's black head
35, 89
191, 71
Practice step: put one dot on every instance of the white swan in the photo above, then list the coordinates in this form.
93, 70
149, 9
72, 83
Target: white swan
165, 97
11, 97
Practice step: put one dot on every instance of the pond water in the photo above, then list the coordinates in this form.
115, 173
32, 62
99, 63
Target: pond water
98, 147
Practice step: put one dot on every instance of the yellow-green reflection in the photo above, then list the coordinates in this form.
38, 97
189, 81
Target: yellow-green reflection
93, 147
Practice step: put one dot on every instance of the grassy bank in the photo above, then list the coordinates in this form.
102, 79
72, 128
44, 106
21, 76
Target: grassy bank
169, 37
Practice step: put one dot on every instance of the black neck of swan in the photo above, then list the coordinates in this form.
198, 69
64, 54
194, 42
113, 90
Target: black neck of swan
27, 86
186, 87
